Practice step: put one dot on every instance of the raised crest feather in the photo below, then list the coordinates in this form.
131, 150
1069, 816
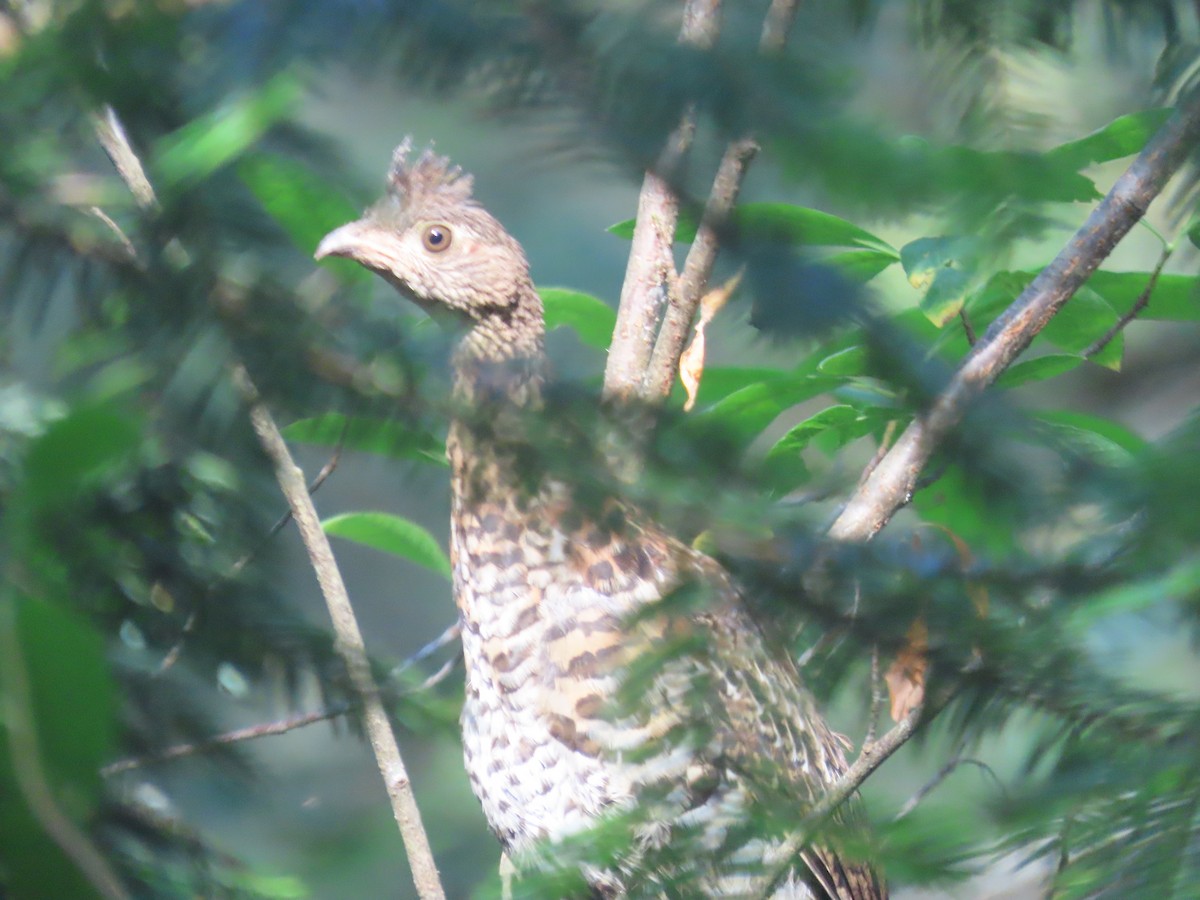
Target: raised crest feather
429, 175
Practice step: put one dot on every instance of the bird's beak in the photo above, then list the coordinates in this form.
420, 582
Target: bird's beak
345, 241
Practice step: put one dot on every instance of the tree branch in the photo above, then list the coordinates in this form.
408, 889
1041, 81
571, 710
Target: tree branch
348, 643
650, 277
236, 736
894, 480
871, 758
348, 637
300, 720
663, 366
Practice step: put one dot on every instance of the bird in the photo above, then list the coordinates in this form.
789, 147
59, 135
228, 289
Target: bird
594, 693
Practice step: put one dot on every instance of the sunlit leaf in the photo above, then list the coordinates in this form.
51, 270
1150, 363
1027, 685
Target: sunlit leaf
1175, 297
204, 145
939, 267
390, 534
71, 702
1101, 437
1121, 137
304, 203
591, 318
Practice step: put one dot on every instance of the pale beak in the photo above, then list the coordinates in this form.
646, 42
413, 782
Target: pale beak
344, 241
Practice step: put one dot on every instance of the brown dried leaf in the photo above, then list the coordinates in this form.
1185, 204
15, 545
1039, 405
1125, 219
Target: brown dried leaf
691, 366
906, 676
691, 362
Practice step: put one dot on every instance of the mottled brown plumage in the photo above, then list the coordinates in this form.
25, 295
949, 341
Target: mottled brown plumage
568, 606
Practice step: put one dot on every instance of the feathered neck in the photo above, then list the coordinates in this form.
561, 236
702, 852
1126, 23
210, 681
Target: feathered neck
501, 358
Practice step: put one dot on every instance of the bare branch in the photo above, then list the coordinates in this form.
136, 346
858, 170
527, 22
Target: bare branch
111, 134
697, 269
778, 24
349, 642
650, 277
664, 364
892, 483
236, 736
871, 758
348, 637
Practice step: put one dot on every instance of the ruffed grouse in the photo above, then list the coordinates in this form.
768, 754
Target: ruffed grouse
561, 599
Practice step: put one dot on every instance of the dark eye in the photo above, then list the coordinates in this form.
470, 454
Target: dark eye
436, 238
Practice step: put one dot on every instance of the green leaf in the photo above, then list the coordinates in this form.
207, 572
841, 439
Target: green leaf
1040, 369
193, 152
391, 534
77, 451
745, 413
940, 268
1123, 136
382, 436
71, 701
303, 202
721, 381
860, 265
1175, 297
1084, 319
799, 436
783, 223
1105, 437
592, 318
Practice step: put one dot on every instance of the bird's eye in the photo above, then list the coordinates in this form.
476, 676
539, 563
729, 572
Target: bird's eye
436, 238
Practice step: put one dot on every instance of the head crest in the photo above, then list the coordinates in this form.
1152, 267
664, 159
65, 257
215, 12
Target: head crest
428, 177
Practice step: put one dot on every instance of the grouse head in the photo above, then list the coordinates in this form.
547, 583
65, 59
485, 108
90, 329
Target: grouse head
430, 239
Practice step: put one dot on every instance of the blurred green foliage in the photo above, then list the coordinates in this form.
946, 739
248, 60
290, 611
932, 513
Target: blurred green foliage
135, 503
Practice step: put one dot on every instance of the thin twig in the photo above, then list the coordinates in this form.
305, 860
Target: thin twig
956, 760
299, 720
452, 633
111, 134
876, 698
349, 642
25, 757
968, 329
871, 758
892, 483
236, 736
1134, 311
697, 268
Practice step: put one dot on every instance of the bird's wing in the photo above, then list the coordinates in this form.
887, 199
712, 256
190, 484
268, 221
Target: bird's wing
778, 739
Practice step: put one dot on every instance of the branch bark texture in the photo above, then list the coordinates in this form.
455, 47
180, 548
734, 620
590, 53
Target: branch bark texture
348, 638
893, 481
650, 277
349, 644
